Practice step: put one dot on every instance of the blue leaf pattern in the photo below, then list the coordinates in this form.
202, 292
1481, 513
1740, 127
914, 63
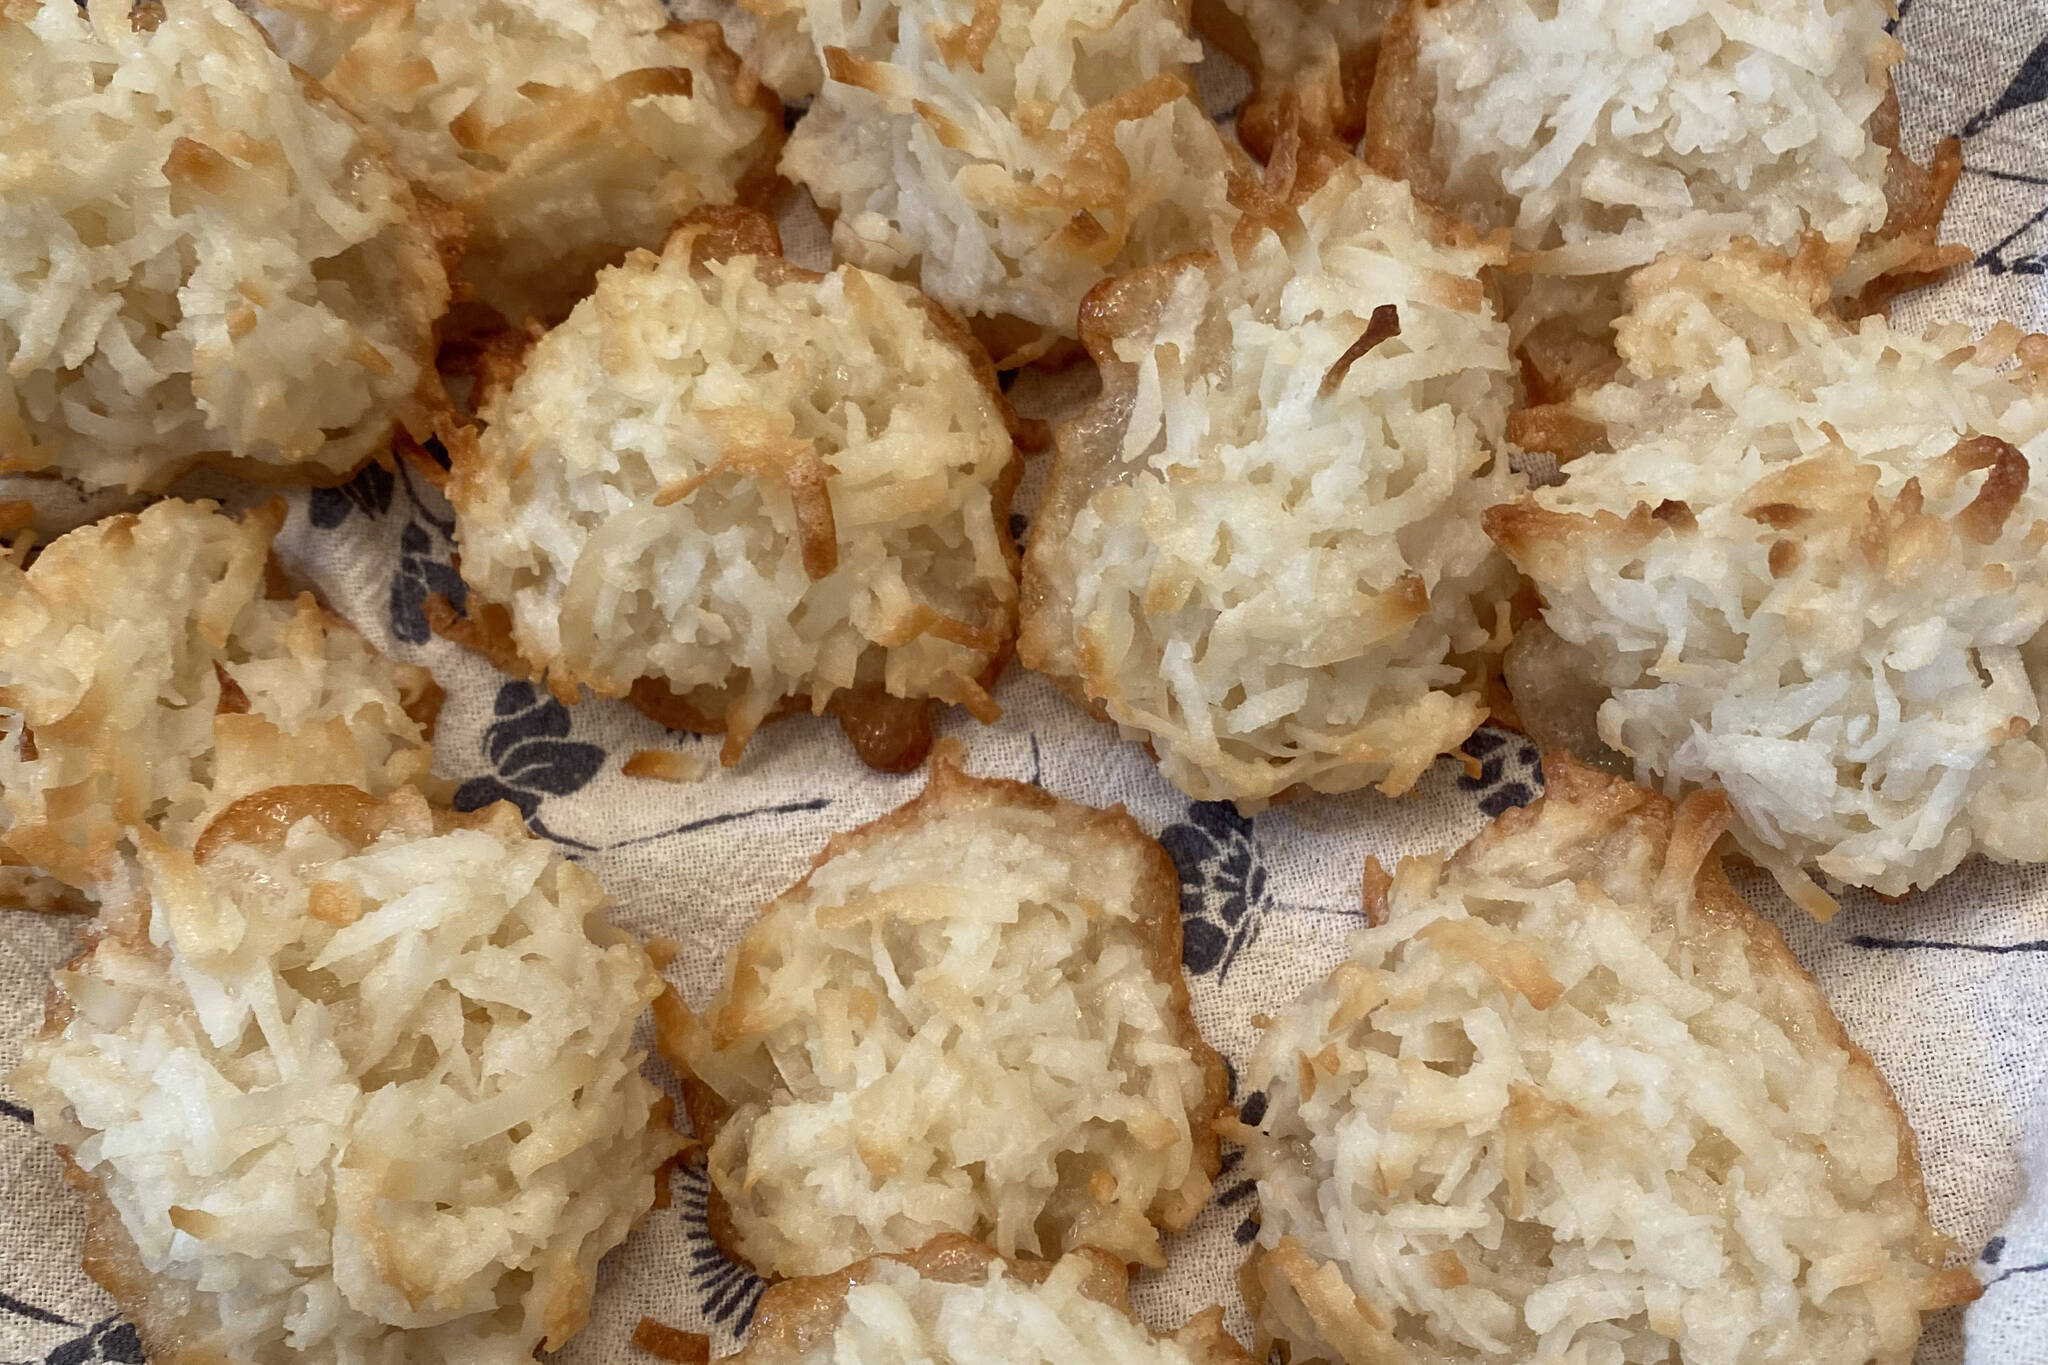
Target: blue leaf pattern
728, 1291
110, 1339
420, 574
530, 753
1222, 885
369, 492
2029, 86
1510, 771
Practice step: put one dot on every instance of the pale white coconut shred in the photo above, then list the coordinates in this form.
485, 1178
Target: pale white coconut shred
1810, 573
1620, 129
1261, 550
354, 1100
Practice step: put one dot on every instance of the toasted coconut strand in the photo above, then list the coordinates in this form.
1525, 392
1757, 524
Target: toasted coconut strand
208, 260
145, 679
1670, 1150
1318, 55
816, 1076
1006, 156
665, 765
564, 133
1584, 130
485, 629
939, 1303
672, 1343
815, 507
436, 1119
1807, 570
1259, 550
1906, 252
23, 888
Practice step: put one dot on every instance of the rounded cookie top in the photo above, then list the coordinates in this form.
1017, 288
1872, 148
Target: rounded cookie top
1260, 549
1606, 133
1006, 155
158, 631
204, 258
970, 1017
750, 484
1808, 569
1570, 1095
355, 1071
565, 132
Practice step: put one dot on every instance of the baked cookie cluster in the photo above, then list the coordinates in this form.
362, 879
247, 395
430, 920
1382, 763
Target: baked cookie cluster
1500, 360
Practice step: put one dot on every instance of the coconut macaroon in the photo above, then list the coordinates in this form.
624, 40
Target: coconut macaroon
1809, 572
970, 1017
1006, 155
356, 1082
148, 677
1569, 1098
1317, 55
203, 259
565, 132
1605, 134
1260, 551
955, 1302
728, 488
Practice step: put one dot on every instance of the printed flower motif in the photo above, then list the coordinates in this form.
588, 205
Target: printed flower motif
420, 573
2028, 87
1222, 885
728, 1292
369, 492
530, 753
1251, 1113
109, 1339
1510, 770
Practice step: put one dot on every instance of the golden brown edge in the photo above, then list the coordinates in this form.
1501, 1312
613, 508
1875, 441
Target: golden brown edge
1262, 115
1158, 912
110, 1257
1127, 305
1118, 306
1400, 128
420, 697
889, 733
798, 1315
1685, 836
1691, 830
762, 185
442, 233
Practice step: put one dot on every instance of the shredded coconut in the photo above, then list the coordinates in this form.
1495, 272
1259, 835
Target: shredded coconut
1007, 155
201, 256
146, 678
565, 132
1810, 573
1317, 55
1604, 133
1260, 550
969, 1018
1571, 1100
956, 1303
751, 483
357, 1085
